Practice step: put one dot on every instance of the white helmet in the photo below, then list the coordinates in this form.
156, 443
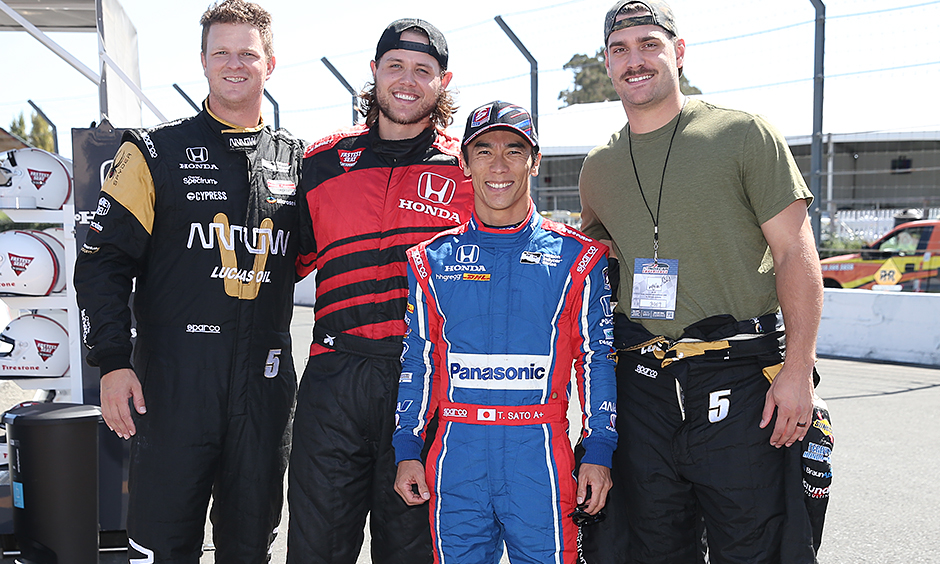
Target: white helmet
55, 237
34, 346
33, 178
29, 264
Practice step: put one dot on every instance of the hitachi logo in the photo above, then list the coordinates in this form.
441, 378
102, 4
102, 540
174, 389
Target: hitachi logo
262, 240
421, 207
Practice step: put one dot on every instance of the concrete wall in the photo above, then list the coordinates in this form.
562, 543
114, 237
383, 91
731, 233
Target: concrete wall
896, 327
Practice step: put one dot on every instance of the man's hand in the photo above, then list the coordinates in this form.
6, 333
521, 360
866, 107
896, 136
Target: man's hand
411, 473
598, 478
117, 387
791, 393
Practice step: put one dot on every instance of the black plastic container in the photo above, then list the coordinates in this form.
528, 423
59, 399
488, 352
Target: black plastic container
54, 481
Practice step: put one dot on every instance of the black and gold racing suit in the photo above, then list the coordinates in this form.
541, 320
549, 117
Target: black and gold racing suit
204, 215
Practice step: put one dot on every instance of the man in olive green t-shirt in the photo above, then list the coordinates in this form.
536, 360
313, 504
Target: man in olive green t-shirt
706, 211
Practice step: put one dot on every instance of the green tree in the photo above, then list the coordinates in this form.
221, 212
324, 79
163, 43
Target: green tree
18, 127
591, 83
39, 135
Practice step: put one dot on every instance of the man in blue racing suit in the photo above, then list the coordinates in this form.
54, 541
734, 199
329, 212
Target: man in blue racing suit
499, 311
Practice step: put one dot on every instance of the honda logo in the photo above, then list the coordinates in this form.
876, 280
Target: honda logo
197, 154
468, 254
436, 188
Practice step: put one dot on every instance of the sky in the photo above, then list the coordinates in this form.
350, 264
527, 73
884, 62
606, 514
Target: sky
882, 61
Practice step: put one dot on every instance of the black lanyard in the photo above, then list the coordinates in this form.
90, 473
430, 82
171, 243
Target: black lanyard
659, 201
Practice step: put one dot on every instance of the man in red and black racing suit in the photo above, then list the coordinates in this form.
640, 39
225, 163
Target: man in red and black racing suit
370, 193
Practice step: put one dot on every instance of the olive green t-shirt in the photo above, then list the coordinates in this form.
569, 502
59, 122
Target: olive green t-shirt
727, 173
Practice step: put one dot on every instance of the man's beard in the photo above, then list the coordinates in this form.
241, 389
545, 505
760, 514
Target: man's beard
417, 115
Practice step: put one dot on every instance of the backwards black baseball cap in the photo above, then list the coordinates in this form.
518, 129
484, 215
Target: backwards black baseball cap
659, 14
391, 39
500, 115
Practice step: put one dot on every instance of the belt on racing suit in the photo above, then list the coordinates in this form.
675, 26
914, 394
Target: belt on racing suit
538, 414
719, 337
354, 344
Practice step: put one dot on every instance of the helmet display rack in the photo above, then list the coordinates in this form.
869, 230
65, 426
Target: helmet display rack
68, 387
120, 97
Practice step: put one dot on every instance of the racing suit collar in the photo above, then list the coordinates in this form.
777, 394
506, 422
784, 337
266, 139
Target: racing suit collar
510, 236
402, 151
231, 127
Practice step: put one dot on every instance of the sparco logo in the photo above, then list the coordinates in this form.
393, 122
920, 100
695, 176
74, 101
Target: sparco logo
149, 143
203, 196
199, 180
45, 350
587, 258
646, 371
436, 188
455, 412
418, 261
468, 253
215, 329
197, 154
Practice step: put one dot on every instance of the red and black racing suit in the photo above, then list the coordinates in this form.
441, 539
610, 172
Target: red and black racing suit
367, 201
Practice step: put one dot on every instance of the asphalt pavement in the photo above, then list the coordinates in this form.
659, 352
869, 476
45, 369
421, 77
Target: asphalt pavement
885, 503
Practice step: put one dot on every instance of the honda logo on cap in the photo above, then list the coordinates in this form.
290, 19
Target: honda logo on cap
197, 154
468, 254
436, 188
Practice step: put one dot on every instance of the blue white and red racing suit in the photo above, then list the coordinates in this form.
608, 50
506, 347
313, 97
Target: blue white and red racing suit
497, 318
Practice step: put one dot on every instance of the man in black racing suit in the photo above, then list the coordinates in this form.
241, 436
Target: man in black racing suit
201, 211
